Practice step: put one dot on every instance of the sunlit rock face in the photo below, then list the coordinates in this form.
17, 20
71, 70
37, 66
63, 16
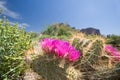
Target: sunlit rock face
91, 31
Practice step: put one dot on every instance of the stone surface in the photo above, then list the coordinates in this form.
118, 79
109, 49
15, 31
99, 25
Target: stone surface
91, 31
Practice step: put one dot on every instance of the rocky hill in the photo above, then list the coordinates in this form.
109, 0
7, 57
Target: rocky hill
62, 28
91, 31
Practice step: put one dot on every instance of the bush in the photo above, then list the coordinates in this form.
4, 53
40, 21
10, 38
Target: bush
49, 31
13, 43
114, 40
33, 34
62, 31
58, 30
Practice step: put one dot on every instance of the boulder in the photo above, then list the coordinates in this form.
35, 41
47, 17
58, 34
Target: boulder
89, 31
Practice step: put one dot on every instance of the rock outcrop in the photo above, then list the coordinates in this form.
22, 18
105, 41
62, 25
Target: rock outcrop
91, 31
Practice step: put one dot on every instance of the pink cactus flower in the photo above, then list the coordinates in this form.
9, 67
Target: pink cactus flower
60, 48
73, 55
109, 49
113, 52
117, 56
44, 44
52, 45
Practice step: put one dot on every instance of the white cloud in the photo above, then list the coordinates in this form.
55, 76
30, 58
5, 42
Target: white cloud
23, 24
20, 24
7, 11
11, 14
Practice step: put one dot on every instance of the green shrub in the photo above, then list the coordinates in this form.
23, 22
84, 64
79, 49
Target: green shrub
49, 31
62, 31
13, 43
58, 30
114, 40
33, 34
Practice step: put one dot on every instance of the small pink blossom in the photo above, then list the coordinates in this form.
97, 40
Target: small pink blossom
113, 52
109, 49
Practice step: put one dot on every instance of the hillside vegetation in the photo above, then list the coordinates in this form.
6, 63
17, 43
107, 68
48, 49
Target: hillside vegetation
26, 55
94, 62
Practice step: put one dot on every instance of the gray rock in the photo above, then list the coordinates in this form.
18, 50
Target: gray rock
91, 31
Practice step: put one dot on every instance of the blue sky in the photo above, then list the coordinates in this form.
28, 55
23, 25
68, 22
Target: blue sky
37, 14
